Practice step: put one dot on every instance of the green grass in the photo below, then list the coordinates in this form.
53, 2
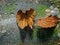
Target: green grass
9, 8
40, 10
57, 4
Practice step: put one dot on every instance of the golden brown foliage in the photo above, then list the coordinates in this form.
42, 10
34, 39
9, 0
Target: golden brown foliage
48, 22
25, 19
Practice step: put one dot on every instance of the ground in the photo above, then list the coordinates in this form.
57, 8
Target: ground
8, 23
